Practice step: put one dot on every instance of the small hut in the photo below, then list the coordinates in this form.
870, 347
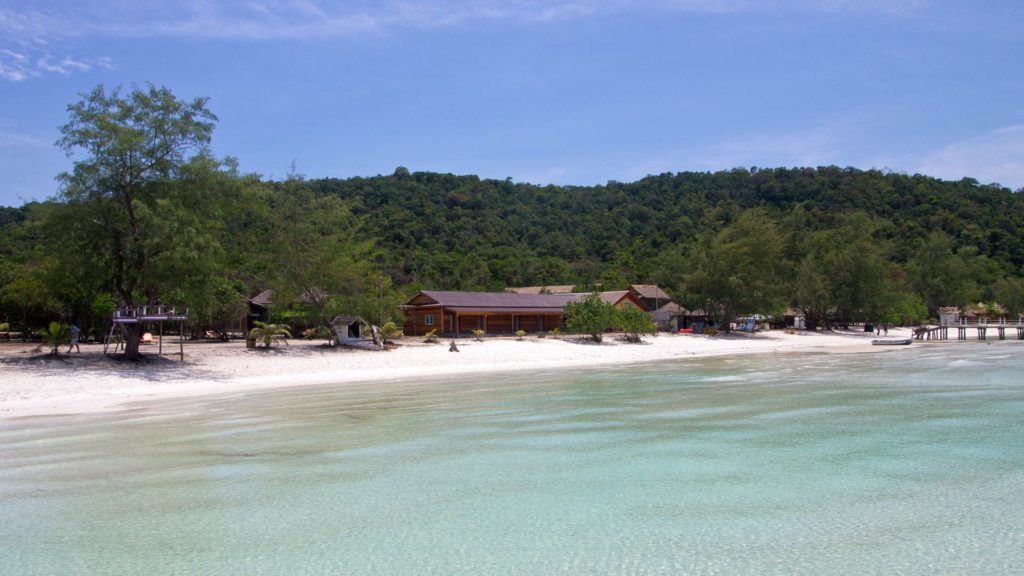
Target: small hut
348, 329
949, 316
259, 309
982, 312
669, 316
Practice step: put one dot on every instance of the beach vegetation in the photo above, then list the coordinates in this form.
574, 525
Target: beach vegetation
634, 323
389, 331
737, 270
268, 334
141, 195
478, 335
147, 215
55, 335
590, 316
520, 334
431, 336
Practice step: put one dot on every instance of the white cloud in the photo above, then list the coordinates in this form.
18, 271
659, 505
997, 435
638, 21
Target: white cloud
35, 32
305, 18
995, 157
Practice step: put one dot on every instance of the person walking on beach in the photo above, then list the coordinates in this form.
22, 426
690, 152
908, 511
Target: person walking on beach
75, 333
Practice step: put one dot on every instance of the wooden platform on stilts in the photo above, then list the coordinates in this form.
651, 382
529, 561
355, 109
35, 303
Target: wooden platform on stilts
964, 330
142, 314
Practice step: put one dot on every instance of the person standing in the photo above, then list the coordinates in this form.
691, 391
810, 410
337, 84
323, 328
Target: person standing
75, 333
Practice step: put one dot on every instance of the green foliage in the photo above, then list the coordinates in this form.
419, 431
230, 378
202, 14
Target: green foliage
737, 271
1010, 293
520, 334
478, 335
267, 334
144, 195
634, 323
555, 332
54, 336
591, 316
149, 216
390, 331
431, 336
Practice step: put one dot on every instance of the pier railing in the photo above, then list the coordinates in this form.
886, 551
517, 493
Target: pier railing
149, 313
981, 325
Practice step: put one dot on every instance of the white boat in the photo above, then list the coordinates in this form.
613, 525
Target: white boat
903, 342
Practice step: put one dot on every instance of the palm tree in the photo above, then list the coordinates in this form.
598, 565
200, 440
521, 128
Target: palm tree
55, 336
267, 334
388, 331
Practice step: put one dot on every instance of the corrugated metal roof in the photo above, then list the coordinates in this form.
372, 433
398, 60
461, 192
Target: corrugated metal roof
559, 289
650, 291
493, 300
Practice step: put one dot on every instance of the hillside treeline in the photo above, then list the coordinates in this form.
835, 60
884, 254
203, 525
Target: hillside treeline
147, 215
839, 243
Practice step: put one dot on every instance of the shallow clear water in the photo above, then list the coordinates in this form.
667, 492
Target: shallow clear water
903, 462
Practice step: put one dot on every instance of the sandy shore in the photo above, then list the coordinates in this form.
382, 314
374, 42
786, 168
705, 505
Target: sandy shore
89, 382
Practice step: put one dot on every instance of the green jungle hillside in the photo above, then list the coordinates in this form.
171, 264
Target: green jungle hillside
147, 215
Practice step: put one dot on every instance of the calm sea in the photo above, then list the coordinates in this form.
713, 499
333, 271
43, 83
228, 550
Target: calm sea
900, 462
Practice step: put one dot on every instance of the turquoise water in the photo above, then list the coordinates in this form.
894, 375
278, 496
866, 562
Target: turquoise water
902, 462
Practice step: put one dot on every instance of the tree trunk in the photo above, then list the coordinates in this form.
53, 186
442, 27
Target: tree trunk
132, 339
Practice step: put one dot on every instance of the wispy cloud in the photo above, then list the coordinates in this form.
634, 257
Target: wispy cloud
305, 18
820, 146
995, 157
29, 36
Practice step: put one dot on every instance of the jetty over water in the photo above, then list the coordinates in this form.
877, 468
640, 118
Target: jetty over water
965, 328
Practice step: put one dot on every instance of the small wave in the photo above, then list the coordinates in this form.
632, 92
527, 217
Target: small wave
725, 379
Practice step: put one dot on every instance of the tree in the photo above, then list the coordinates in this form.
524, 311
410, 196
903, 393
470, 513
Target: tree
737, 270
940, 275
139, 195
634, 322
389, 331
591, 316
54, 336
267, 334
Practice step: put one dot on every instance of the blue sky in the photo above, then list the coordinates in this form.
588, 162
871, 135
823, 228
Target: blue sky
562, 91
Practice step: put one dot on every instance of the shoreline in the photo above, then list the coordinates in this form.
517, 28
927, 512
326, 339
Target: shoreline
92, 383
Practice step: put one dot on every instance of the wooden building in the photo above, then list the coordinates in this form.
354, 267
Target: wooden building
652, 296
494, 312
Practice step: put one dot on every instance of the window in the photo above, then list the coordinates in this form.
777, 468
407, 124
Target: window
428, 319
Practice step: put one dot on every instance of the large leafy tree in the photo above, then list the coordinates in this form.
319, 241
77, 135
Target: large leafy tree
141, 208
590, 315
320, 267
738, 270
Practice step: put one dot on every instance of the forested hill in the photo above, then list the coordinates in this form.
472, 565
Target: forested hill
461, 232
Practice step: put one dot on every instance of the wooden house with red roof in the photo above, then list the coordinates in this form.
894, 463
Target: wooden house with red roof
494, 312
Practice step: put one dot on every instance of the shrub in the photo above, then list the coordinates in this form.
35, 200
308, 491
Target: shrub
634, 322
591, 315
520, 334
431, 336
478, 335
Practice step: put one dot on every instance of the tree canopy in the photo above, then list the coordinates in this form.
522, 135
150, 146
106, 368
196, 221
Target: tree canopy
148, 215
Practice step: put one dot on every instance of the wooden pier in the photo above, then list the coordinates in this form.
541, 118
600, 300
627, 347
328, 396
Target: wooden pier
964, 329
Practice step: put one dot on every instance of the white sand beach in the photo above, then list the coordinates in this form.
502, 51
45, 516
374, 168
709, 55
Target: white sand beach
90, 382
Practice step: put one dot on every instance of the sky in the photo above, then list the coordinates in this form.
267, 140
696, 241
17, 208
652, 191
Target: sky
561, 91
